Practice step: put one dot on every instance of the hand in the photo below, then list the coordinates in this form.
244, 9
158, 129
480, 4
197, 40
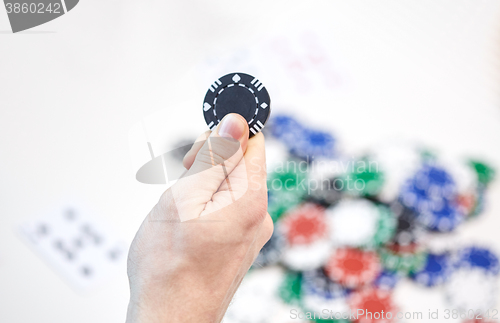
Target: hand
197, 243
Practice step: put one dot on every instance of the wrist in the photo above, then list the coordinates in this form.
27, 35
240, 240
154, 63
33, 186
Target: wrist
183, 299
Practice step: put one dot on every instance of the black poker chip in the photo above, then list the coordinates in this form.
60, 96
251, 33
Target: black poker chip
409, 230
237, 93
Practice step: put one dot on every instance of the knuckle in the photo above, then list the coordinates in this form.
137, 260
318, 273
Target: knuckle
256, 214
268, 228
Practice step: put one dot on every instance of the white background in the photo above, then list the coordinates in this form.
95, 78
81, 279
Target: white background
71, 89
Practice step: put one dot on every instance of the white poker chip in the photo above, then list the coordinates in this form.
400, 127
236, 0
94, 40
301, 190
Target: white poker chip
302, 257
319, 292
439, 243
255, 301
464, 176
471, 289
317, 304
353, 222
276, 154
324, 169
398, 160
466, 182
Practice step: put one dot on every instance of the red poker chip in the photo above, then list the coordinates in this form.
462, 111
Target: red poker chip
373, 305
353, 267
466, 202
305, 225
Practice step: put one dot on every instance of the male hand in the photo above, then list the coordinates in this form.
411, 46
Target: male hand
197, 243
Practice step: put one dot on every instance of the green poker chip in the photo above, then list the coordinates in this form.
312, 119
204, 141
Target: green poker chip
485, 173
403, 263
291, 178
330, 321
386, 226
479, 203
287, 188
290, 289
363, 178
428, 155
281, 202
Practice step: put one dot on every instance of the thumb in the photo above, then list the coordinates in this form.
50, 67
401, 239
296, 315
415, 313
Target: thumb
217, 158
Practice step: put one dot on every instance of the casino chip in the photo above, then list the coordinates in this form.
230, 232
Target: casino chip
479, 202
286, 129
237, 93
307, 256
305, 225
436, 270
443, 243
408, 230
363, 179
428, 187
325, 192
386, 226
290, 289
477, 257
377, 306
360, 223
313, 144
353, 222
276, 154
402, 262
432, 193
485, 173
306, 234
287, 187
471, 289
464, 176
255, 301
353, 267
319, 292
325, 187
280, 202
445, 219
387, 280
398, 161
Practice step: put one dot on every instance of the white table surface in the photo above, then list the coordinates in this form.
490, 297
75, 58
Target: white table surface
71, 89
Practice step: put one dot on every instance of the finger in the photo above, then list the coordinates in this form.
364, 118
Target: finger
255, 160
215, 160
191, 154
249, 173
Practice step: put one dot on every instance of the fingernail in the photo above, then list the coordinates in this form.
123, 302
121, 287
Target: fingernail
231, 126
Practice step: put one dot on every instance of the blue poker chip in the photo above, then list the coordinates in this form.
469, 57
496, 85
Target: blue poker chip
436, 270
316, 282
237, 93
287, 129
477, 257
283, 125
314, 144
387, 280
445, 219
271, 252
427, 188
431, 194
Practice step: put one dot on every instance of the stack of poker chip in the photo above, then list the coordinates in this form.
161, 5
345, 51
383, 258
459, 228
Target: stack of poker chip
341, 247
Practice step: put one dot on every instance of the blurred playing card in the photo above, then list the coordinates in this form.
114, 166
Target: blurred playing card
77, 244
296, 62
